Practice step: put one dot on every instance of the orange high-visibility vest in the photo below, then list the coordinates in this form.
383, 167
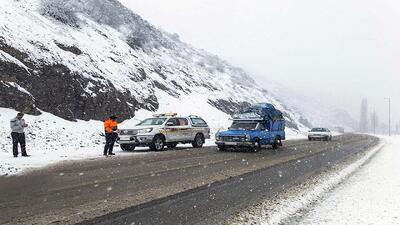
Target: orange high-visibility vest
110, 125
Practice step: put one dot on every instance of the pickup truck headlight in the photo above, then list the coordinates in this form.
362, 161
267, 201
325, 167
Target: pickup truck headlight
217, 137
144, 131
247, 138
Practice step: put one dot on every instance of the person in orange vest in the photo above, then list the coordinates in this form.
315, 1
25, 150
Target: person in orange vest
111, 129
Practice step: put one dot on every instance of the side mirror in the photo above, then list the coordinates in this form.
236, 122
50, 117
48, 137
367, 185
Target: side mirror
170, 124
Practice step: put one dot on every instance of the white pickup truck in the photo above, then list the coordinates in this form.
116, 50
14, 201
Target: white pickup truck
165, 130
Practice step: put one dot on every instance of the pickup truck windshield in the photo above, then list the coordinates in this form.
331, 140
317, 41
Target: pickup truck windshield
318, 130
243, 125
152, 122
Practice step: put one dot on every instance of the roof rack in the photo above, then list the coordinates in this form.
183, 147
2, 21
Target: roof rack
259, 111
165, 115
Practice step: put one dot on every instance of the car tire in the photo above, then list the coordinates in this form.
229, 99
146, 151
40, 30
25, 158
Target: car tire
221, 148
257, 145
198, 141
171, 145
158, 143
276, 143
128, 148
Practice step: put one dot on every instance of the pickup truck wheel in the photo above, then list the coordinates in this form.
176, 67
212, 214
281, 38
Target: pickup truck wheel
277, 143
221, 148
198, 141
129, 148
171, 145
257, 146
157, 144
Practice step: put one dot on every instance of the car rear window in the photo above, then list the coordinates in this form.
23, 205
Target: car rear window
198, 122
183, 121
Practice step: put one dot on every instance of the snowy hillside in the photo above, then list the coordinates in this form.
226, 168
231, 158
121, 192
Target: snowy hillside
74, 60
93, 58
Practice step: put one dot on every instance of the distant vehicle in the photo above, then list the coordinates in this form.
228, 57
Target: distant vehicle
255, 127
339, 130
165, 130
319, 134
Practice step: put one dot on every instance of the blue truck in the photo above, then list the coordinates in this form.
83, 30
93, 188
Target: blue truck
253, 128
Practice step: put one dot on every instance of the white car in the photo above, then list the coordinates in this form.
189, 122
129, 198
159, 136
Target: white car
165, 130
319, 134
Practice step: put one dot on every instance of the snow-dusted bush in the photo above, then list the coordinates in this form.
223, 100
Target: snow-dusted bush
58, 11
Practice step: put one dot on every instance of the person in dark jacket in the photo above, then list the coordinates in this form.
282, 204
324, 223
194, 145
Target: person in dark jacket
18, 125
110, 129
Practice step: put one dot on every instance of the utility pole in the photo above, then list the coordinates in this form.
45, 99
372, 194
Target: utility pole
389, 115
374, 121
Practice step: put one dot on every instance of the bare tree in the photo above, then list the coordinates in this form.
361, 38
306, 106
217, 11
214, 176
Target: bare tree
374, 121
364, 116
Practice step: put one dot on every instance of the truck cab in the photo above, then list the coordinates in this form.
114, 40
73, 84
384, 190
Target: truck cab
254, 128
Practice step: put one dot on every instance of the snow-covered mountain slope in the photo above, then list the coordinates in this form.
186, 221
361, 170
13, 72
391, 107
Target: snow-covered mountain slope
86, 59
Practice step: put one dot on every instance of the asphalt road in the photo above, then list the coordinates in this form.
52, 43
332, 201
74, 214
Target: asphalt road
183, 186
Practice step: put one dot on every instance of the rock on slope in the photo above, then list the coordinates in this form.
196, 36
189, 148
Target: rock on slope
86, 59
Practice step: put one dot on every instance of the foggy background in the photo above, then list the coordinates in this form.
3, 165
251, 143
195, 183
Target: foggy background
336, 51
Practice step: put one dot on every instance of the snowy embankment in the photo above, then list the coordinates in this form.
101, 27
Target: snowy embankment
336, 196
51, 139
370, 196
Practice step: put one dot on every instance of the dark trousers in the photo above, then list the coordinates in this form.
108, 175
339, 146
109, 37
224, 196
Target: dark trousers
110, 140
18, 138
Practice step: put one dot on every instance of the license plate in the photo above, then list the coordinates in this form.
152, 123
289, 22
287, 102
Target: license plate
125, 138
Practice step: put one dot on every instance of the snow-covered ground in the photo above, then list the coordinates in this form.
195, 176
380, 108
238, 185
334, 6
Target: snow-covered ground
51, 139
370, 196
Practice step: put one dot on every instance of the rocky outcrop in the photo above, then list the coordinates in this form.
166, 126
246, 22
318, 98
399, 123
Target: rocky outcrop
230, 107
12, 97
55, 89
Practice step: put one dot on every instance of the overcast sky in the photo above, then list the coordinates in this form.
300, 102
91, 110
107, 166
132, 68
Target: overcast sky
343, 50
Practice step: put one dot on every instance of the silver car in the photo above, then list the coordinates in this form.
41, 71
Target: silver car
320, 134
165, 130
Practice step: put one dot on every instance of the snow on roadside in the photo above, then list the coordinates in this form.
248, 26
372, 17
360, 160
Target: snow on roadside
284, 209
51, 139
370, 196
